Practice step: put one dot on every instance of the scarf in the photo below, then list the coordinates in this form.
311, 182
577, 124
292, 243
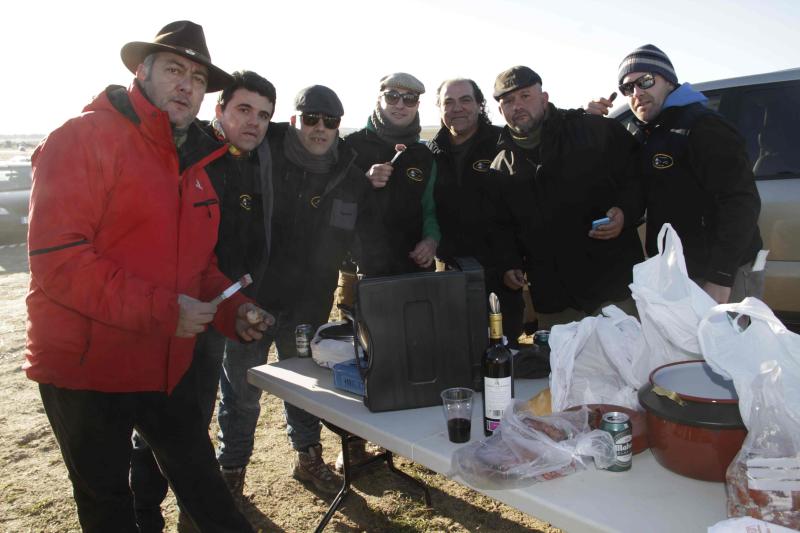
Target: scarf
295, 152
391, 134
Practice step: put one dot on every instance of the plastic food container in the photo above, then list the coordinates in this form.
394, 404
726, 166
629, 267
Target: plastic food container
693, 423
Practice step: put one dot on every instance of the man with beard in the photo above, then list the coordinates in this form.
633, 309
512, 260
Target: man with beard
695, 175
317, 198
240, 178
558, 172
463, 149
123, 222
402, 233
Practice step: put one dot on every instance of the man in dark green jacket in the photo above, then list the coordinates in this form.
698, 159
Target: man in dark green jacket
402, 233
558, 172
695, 174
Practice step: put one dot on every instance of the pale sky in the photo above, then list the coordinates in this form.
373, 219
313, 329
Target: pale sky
57, 55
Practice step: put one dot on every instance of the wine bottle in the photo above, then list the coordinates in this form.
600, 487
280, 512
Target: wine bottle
498, 371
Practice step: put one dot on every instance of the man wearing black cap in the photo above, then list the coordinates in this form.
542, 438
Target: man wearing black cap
316, 190
557, 173
123, 223
695, 175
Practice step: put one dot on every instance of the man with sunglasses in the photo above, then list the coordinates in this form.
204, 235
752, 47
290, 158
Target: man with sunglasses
695, 174
317, 192
402, 233
464, 149
556, 173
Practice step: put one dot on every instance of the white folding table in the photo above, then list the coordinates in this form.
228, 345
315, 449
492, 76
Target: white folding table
648, 498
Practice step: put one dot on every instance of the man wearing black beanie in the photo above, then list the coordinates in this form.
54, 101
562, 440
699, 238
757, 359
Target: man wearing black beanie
695, 175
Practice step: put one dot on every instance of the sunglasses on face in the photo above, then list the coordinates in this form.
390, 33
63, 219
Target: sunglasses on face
643, 82
312, 119
409, 99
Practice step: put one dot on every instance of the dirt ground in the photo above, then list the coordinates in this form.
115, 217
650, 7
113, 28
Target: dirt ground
35, 493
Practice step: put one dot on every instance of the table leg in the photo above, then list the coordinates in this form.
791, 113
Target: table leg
420, 484
345, 490
346, 437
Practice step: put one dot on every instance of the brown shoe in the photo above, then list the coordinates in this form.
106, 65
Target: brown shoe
234, 479
309, 466
358, 454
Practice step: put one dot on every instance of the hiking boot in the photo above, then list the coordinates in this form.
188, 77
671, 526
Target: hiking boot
358, 454
234, 479
309, 466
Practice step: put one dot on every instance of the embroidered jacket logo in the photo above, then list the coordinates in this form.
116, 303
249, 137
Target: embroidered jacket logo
315, 201
246, 202
414, 174
662, 161
482, 165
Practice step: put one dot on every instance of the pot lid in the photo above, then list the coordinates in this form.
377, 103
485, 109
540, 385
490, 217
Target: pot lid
696, 381
712, 415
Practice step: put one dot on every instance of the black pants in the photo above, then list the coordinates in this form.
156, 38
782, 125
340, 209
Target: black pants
93, 430
147, 483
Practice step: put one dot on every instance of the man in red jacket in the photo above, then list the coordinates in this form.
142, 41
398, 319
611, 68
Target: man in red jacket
123, 223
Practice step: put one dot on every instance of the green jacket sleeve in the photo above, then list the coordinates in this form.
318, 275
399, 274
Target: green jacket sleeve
430, 225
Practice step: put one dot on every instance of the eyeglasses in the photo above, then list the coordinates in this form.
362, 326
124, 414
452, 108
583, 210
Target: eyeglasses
312, 119
643, 82
409, 99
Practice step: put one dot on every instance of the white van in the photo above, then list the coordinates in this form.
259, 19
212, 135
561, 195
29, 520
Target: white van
766, 110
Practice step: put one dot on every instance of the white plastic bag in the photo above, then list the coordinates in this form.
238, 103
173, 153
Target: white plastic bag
670, 305
328, 352
738, 354
763, 480
594, 361
527, 449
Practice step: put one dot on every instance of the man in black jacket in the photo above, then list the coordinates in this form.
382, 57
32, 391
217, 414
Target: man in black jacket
464, 149
402, 233
695, 175
557, 173
318, 198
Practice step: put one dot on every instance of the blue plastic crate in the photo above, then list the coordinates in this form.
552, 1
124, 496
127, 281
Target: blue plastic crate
346, 377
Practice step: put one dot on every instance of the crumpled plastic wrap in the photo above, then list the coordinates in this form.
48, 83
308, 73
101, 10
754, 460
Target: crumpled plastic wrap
528, 449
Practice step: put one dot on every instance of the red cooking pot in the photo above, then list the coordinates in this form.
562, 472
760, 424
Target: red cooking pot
693, 423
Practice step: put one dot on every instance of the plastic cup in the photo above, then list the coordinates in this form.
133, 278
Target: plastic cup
457, 405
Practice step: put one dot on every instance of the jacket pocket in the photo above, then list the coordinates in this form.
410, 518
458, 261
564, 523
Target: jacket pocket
343, 214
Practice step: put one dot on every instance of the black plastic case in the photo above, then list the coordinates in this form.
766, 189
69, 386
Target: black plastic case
422, 333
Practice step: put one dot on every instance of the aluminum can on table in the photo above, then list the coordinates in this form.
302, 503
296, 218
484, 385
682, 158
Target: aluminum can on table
302, 339
618, 425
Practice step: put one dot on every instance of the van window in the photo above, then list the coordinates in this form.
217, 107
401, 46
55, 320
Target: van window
768, 117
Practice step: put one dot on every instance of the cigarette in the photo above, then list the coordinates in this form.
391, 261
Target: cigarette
243, 282
400, 149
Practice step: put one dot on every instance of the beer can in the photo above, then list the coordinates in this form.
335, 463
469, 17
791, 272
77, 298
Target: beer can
302, 339
618, 425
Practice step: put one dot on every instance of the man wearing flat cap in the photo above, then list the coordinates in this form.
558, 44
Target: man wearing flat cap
123, 222
557, 172
317, 197
695, 175
402, 234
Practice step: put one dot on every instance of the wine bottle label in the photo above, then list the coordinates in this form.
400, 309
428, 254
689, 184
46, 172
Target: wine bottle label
495, 326
497, 393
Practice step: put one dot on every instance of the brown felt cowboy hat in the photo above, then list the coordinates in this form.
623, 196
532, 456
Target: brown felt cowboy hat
184, 38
